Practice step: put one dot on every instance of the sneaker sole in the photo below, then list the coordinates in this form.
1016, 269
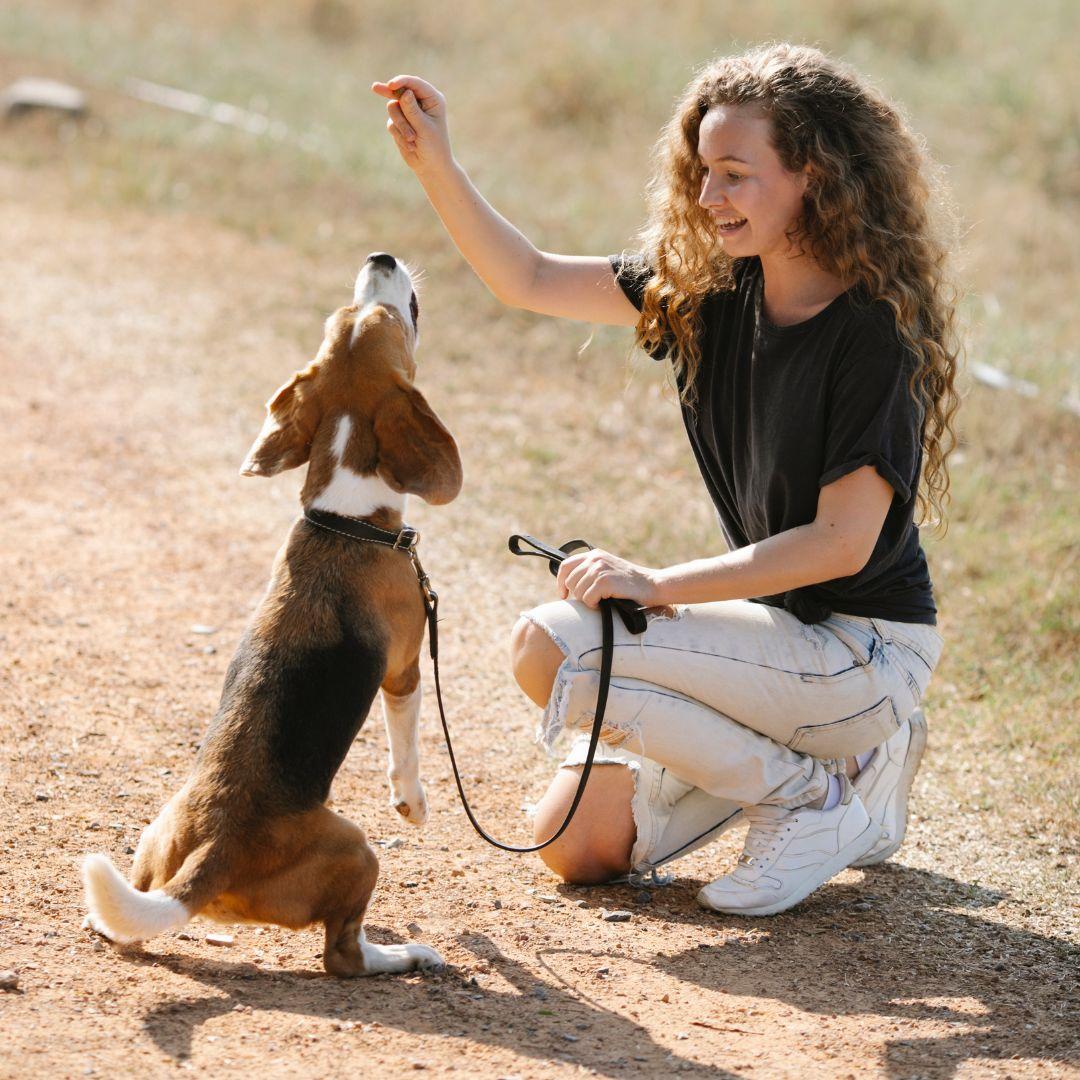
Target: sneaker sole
907, 774
843, 859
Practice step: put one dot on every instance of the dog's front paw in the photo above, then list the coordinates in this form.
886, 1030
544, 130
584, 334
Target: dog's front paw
425, 958
410, 802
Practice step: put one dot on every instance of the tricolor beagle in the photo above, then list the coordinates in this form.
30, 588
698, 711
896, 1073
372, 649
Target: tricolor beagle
249, 837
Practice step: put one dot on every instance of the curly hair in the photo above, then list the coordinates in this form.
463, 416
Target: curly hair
866, 218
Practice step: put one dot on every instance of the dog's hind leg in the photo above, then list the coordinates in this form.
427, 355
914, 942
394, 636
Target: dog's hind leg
325, 871
401, 697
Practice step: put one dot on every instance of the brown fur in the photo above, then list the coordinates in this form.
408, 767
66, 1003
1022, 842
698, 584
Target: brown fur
244, 839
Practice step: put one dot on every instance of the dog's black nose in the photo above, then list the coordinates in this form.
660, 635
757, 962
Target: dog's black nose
380, 258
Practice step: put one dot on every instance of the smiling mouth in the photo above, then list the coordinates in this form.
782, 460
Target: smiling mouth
730, 225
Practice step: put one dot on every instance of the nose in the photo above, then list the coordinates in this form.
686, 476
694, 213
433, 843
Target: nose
380, 258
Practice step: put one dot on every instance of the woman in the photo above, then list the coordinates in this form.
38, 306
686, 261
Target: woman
789, 274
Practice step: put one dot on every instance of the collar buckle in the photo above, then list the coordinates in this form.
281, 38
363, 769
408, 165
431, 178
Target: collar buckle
407, 539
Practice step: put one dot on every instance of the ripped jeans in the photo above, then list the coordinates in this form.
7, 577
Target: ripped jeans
728, 705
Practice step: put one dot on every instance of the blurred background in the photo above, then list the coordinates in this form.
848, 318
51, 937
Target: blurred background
256, 117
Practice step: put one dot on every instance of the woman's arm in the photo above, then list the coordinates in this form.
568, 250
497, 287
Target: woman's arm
517, 273
837, 543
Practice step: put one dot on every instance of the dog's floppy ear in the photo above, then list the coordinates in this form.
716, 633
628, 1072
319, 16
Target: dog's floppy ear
292, 415
416, 454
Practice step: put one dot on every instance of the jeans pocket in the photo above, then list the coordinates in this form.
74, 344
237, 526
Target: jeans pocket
851, 735
861, 640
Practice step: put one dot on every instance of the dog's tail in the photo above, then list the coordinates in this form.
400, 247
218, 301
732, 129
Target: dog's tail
124, 914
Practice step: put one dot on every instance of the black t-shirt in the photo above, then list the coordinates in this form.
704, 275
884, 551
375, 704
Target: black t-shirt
781, 411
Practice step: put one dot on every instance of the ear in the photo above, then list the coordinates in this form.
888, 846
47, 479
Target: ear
292, 415
416, 454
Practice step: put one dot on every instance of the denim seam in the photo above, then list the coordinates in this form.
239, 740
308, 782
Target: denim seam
723, 656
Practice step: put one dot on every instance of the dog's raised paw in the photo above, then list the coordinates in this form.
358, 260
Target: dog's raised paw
413, 811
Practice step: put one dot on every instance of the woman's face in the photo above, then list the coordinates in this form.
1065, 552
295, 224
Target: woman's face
752, 198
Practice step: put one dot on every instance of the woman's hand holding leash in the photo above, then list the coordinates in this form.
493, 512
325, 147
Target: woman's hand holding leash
596, 575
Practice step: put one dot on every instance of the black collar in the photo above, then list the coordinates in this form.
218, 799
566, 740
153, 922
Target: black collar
358, 529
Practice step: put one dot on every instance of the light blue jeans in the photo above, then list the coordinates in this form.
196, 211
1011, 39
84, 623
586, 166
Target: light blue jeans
730, 704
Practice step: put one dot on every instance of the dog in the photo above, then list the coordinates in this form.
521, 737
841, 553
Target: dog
249, 837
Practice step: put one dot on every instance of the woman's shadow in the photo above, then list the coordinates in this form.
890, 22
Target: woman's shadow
904, 943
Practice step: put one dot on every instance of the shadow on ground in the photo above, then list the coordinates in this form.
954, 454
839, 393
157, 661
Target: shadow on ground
902, 944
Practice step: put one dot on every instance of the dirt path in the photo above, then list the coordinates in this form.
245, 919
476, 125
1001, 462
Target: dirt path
134, 356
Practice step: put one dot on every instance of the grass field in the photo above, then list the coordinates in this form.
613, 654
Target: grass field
553, 111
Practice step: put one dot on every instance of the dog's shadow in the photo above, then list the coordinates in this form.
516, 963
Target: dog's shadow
545, 1020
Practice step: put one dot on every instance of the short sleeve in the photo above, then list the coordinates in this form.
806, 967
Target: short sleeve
632, 273
873, 418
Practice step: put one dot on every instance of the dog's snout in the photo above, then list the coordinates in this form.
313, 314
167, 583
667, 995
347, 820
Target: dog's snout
380, 258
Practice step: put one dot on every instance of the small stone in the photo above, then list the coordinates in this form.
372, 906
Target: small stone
9, 980
581, 903
497, 905
666, 999
615, 916
643, 896
603, 971
414, 929
209, 650
199, 628
41, 796
185, 936
389, 845
570, 1038
862, 905
547, 899
82, 622
223, 940
410, 884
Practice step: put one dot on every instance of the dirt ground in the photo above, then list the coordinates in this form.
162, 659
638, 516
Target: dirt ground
135, 354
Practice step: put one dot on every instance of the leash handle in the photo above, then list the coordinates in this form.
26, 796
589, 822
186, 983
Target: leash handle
633, 614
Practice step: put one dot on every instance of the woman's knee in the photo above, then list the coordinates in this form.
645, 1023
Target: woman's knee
597, 844
535, 659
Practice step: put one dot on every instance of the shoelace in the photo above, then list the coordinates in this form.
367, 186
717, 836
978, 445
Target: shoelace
762, 840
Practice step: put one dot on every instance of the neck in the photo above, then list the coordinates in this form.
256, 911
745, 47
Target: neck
357, 496
796, 287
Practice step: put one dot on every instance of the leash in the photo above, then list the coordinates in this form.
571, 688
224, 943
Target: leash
406, 540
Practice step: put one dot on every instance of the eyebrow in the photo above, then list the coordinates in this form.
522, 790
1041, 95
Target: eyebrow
739, 160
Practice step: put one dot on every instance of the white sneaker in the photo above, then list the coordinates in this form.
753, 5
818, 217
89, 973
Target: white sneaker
885, 783
789, 853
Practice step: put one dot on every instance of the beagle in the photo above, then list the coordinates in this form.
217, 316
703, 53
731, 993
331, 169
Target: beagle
249, 837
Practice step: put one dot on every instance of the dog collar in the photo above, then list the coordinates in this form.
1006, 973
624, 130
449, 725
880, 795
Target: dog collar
405, 539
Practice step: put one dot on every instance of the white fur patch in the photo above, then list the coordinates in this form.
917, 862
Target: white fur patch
121, 912
348, 492
397, 958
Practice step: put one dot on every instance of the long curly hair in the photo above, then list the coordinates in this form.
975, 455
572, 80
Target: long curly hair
866, 218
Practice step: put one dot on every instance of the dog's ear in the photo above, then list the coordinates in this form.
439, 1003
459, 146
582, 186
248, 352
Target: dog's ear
416, 454
292, 415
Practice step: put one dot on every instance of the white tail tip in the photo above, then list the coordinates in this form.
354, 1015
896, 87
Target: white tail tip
121, 912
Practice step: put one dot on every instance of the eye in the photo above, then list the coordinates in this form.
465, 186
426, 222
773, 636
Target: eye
734, 177
414, 310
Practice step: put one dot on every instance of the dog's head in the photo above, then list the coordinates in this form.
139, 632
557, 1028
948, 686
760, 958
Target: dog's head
355, 404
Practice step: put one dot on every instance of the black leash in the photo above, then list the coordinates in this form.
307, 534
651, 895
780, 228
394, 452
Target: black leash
632, 615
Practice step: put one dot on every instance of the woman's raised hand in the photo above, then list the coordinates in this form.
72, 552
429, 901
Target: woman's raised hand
417, 122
